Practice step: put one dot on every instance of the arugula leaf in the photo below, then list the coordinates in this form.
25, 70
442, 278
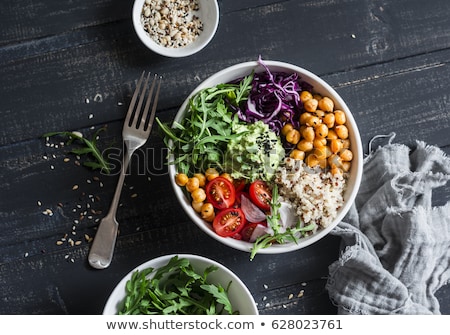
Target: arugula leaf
175, 288
200, 140
292, 234
89, 148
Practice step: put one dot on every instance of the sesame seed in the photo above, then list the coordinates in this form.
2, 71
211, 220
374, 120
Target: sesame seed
39, 203
74, 187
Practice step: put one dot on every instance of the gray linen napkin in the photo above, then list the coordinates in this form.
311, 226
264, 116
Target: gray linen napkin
396, 245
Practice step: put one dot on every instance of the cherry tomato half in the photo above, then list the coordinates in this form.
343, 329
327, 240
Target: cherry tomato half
220, 193
260, 194
229, 222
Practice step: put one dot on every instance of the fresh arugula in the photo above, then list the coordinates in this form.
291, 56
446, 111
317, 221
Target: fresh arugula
175, 289
291, 234
200, 140
89, 148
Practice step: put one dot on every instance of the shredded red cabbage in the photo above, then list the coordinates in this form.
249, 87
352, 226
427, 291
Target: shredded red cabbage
274, 99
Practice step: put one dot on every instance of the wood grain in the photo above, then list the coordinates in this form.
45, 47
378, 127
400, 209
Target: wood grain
73, 66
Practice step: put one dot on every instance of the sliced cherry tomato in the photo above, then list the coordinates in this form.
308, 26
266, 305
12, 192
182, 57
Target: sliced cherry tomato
260, 194
229, 222
220, 193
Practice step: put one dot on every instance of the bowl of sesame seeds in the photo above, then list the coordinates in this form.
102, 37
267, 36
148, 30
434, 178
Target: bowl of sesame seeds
175, 28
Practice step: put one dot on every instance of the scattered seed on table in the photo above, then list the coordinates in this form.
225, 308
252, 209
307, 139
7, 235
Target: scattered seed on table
74, 187
39, 203
290, 296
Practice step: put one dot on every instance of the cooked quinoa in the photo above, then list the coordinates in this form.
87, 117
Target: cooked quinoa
316, 195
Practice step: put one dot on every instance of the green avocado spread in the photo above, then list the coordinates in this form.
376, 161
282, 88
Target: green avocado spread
255, 154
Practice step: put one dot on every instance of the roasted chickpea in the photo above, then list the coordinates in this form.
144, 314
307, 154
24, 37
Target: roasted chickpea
312, 121
346, 143
192, 184
335, 145
341, 131
320, 153
197, 206
332, 134
308, 133
201, 179
310, 105
326, 104
297, 154
305, 145
340, 117
304, 117
305, 95
346, 155
311, 161
319, 113
346, 166
181, 179
293, 136
319, 142
207, 211
321, 130
329, 120
198, 195
211, 173
286, 128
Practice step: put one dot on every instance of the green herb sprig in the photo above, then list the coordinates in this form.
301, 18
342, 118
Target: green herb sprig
291, 234
175, 289
89, 148
200, 140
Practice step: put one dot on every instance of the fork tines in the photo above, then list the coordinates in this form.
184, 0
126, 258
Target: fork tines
138, 117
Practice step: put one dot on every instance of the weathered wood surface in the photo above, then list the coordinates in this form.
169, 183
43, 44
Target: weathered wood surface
72, 66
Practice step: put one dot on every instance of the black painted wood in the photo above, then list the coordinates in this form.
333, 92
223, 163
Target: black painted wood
72, 66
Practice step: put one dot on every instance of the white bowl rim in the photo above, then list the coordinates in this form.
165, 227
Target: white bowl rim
356, 169
212, 12
118, 292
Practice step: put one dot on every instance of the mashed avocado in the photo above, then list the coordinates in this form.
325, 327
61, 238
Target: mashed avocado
254, 155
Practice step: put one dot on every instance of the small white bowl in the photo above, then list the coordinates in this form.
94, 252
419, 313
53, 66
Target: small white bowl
240, 297
208, 13
320, 86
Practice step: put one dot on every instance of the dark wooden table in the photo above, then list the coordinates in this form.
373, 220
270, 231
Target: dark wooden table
72, 65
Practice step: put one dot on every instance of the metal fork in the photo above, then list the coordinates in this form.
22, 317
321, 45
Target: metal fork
136, 130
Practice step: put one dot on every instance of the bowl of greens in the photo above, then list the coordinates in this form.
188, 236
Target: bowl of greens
264, 157
180, 284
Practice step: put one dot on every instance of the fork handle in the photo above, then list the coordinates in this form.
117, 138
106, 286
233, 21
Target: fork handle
102, 248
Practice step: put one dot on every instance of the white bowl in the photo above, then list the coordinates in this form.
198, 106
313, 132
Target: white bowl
319, 86
208, 13
239, 295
